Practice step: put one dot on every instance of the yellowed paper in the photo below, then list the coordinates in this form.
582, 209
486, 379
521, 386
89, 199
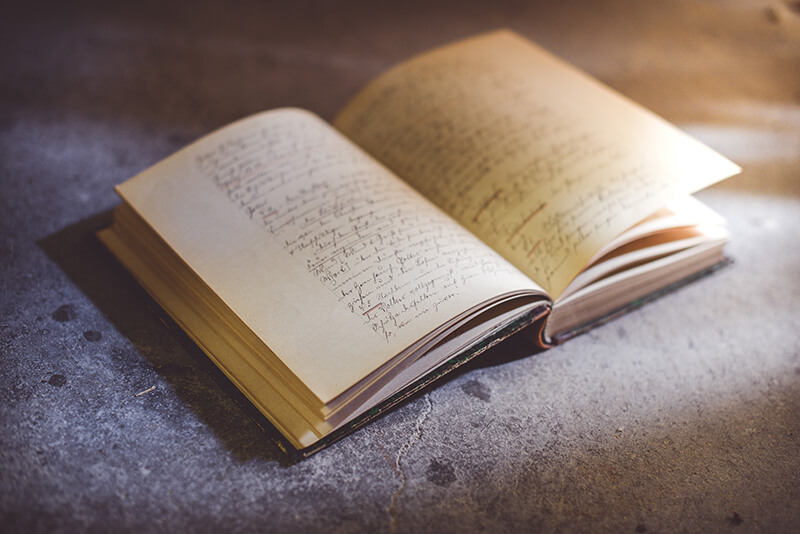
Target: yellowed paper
326, 256
540, 161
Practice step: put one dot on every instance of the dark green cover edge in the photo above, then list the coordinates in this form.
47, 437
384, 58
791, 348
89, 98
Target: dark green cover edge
412, 389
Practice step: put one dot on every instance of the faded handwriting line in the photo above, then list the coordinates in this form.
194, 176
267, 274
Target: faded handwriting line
372, 309
533, 249
528, 219
486, 205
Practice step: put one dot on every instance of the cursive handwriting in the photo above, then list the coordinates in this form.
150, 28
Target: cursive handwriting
495, 143
388, 256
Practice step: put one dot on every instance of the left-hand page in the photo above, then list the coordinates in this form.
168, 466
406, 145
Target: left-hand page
332, 261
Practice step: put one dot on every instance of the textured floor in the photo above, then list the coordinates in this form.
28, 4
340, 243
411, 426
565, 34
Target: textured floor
681, 416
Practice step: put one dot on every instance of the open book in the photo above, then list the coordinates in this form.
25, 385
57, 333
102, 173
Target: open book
486, 186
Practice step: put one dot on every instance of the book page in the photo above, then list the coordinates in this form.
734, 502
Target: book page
332, 261
540, 161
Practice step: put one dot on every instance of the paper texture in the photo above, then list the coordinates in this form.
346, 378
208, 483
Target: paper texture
332, 261
540, 161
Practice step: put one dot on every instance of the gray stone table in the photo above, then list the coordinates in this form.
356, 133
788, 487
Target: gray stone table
681, 416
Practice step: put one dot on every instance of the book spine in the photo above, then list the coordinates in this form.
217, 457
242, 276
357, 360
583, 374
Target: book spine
533, 320
594, 323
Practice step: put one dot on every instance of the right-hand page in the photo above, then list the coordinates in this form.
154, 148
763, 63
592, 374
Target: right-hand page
539, 160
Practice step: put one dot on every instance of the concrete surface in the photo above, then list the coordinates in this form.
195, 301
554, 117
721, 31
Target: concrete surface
681, 416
